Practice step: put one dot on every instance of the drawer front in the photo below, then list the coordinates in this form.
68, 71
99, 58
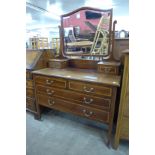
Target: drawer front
90, 88
29, 84
48, 81
108, 69
66, 106
125, 128
29, 92
92, 101
30, 104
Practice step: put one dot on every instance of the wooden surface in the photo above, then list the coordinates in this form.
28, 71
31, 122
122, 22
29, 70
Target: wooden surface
83, 64
81, 74
122, 129
119, 46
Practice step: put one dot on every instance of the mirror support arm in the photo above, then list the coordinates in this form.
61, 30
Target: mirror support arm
113, 41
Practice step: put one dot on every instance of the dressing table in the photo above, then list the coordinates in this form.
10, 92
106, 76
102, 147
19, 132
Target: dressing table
86, 86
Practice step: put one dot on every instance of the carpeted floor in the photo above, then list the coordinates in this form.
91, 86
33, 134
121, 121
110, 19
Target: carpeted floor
65, 134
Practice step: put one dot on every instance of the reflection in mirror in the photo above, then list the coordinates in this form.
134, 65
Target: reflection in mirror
87, 32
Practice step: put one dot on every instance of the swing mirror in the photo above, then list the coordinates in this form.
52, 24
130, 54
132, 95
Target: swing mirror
86, 32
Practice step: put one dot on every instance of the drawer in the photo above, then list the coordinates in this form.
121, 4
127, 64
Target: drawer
29, 92
125, 128
66, 106
29, 84
50, 81
108, 70
92, 101
30, 104
90, 88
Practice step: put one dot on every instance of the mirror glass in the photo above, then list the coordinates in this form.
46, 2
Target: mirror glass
87, 31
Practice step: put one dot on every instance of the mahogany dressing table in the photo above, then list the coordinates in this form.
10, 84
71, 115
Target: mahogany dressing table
84, 87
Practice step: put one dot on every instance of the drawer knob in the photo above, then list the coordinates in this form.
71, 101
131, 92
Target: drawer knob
87, 113
88, 90
50, 102
49, 82
86, 101
49, 92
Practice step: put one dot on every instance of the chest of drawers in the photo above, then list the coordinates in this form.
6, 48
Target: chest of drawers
83, 93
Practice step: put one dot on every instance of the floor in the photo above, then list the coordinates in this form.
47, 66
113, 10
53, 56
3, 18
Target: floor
65, 134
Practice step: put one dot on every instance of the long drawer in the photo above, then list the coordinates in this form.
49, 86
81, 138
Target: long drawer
92, 101
50, 81
90, 88
66, 106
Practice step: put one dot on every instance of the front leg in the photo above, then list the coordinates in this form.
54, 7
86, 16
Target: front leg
37, 116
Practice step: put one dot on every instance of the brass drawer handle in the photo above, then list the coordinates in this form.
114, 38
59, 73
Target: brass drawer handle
85, 100
87, 113
49, 92
88, 90
49, 82
50, 102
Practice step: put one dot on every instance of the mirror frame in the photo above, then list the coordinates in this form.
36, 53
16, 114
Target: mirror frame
62, 48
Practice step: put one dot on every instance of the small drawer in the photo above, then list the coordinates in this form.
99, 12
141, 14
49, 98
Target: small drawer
108, 70
50, 81
108, 67
52, 92
92, 101
30, 104
90, 88
29, 92
29, 84
66, 106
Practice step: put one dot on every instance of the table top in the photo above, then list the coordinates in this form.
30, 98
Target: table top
82, 75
